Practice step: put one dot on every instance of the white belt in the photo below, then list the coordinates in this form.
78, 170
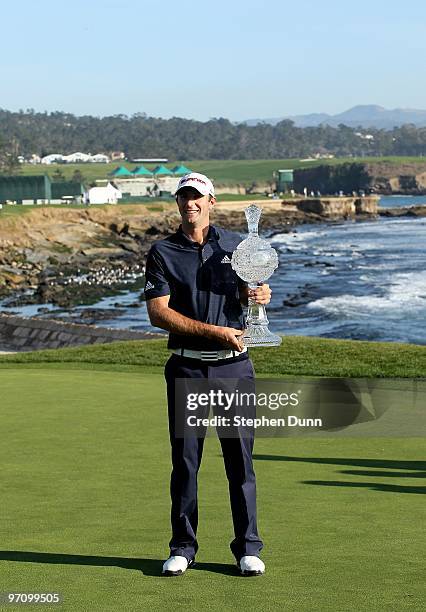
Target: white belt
208, 355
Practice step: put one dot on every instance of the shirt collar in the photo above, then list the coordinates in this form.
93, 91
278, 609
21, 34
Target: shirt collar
211, 236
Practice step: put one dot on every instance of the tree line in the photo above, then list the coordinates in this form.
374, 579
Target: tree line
29, 132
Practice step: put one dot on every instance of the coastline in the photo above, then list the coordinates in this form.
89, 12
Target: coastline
77, 256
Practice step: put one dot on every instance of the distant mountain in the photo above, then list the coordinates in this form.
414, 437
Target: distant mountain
367, 115
300, 120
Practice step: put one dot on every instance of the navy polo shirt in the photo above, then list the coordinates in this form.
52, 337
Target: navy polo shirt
200, 281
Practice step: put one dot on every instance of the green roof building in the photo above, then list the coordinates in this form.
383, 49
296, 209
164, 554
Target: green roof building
18, 188
284, 180
162, 170
141, 171
180, 170
121, 171
66, 189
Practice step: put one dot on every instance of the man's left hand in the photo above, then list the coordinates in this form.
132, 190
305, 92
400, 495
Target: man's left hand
262, 294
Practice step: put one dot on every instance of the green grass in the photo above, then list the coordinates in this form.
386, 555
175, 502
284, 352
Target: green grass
153, 205
223, 172
85, 506
17, 210
300, 355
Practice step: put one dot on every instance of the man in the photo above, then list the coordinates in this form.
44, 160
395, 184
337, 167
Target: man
194, 294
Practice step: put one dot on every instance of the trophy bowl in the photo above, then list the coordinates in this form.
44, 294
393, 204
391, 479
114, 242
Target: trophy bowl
254, 260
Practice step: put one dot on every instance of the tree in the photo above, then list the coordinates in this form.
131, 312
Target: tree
58, 176
77, 177
9, 162
186, 139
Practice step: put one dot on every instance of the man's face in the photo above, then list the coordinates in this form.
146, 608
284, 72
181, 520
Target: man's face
194, 207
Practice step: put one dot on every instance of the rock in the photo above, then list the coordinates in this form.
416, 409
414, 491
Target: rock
129, 245
298, 299
309, 264
91, 315
290, 304
122, 229
329, 207
49, 242
101, 252
416, 211
152, 231
366, 205
12, 279
403, 211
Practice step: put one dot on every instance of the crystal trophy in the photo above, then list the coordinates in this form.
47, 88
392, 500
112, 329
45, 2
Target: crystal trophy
254, 260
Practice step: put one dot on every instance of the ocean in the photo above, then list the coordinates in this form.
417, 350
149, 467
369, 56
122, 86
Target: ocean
353, 280
360, 280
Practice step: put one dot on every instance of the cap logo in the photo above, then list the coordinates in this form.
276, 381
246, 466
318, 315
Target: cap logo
192, 178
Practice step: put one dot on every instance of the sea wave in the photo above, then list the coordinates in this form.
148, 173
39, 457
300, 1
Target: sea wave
403, 292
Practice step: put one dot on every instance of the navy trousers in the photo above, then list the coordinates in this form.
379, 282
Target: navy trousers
186, 460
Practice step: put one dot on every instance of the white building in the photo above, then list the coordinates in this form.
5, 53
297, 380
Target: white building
364, 136
103, 195
75, 158
53, 158
100, 158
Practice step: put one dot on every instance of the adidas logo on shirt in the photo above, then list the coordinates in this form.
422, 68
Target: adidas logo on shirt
148, 286
226, 259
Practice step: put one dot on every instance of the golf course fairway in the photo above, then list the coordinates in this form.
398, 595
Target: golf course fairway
85, 466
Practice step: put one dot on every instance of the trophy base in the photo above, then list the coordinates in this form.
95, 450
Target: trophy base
259, 335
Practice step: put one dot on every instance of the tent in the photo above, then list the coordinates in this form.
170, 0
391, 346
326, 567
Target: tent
141, 171
181, 170
121, 171
104, 195
162, 170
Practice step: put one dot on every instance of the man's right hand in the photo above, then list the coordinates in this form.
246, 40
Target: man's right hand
230, 337
174, 322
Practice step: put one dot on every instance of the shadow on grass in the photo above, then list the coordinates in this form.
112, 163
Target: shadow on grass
418, 471
374, 463
387, 474
148, 567
374, 486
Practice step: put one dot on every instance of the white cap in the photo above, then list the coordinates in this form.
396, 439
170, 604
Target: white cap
200, 182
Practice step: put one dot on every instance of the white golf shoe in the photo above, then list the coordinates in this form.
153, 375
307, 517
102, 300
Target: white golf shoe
251, 566
176, 565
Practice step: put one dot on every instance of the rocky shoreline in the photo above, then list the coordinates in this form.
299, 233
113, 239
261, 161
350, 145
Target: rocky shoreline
73, 257
404, 211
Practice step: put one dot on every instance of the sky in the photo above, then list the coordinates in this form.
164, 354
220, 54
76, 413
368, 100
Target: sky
237, 59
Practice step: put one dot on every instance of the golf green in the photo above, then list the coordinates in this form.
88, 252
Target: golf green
85, 468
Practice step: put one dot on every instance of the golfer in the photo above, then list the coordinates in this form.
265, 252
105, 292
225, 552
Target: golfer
192, 292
